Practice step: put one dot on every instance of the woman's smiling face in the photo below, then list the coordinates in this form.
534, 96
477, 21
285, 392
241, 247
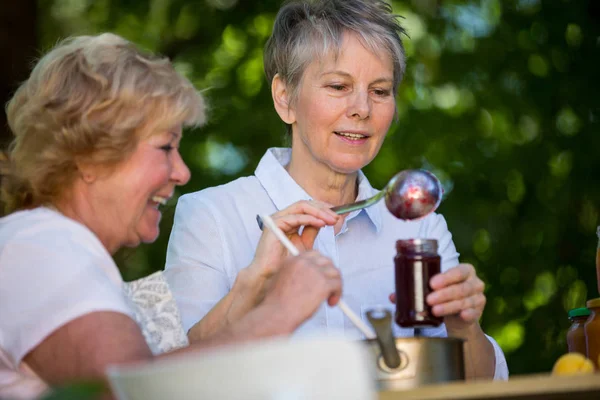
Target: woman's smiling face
344, 108
131, 194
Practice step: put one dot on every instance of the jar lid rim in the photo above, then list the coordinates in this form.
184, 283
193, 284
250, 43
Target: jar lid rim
593, 303
417, 241
579, 312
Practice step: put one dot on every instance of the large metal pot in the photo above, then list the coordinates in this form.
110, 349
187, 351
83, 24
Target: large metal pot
406, 363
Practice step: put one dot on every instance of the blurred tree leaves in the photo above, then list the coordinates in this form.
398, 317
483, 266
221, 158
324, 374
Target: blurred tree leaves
499, 100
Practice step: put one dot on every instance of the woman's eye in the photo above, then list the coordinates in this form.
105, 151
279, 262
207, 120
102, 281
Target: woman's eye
382, 92
337, 87
167, 148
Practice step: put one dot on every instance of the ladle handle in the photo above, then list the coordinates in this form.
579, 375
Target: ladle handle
381, 320
346, 208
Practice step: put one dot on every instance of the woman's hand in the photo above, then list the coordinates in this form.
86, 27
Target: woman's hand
301, 223
302, 285
458, 297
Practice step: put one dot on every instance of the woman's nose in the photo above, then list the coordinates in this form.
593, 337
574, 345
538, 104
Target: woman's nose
359, 106
180, 173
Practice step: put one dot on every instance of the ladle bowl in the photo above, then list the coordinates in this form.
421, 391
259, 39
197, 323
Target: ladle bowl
411, 194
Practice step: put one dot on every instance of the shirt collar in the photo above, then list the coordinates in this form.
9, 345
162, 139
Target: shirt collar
284, 191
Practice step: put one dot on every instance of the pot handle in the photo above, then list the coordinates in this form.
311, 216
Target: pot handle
381, 320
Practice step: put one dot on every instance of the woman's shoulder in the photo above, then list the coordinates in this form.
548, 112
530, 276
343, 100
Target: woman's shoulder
37, 222
43, 227
239, 187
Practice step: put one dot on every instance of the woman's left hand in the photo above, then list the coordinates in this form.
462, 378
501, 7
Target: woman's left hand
458, 297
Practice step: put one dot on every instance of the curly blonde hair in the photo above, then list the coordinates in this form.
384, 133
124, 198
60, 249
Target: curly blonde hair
90, 99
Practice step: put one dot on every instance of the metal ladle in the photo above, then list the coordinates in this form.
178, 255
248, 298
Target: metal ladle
409, 195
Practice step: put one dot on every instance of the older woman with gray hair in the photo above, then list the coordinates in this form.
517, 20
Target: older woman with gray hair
97, 129
334, 67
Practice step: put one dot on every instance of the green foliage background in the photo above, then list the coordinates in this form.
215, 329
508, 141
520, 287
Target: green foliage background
499, 100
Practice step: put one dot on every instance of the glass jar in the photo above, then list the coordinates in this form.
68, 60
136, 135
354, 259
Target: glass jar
416, 261
592, 331
576, 332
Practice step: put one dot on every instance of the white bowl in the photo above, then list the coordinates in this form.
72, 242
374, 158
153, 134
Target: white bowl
276, 369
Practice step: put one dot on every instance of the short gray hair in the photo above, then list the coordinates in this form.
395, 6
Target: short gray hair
305, 30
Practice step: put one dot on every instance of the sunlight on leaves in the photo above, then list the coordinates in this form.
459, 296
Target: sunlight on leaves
561, 164
568, 122
565, 275
479, 18
481, 244
573, 35
233, 47
250, 74
222, 4
512, 82
187, 23
588, 215
529, 6
529, 128
419, 96
157, 20
68, 9
575, 296
510, 337
446, 96
262, 26
485, 123
414, 25
499, 305
430, 47
538, 65
422, 73
543, 290
515, 186
224, 157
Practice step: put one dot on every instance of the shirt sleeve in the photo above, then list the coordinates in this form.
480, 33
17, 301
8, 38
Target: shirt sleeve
501, 372
44, 287
196, 259
438, 228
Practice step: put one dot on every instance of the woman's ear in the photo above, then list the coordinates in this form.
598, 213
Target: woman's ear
87, 171
281, 100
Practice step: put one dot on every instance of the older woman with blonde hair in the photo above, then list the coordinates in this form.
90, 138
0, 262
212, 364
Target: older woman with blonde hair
97, 128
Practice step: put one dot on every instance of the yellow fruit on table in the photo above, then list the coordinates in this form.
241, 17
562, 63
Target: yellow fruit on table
573, 364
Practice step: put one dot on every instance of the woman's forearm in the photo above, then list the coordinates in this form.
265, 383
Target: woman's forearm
246, 293
480, 358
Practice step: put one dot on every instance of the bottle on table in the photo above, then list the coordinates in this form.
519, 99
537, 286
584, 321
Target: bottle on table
592, 331
576, 333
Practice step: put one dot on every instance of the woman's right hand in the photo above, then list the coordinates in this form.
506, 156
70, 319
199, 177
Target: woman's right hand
301, 223
301, 286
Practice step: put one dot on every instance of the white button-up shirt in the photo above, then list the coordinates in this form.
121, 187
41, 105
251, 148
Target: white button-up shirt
215, 235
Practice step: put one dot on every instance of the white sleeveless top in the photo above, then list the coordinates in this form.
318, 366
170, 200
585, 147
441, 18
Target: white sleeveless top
54, 270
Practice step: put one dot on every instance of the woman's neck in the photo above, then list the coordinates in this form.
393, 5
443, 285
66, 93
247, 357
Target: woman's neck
321, 182
75, 205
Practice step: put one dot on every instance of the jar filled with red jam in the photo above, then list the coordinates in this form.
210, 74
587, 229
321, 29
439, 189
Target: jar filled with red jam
416, 262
